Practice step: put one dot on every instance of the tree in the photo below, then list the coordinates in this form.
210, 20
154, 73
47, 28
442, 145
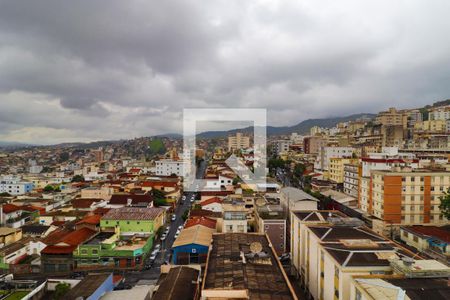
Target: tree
5, 194
78, 178
236, 180
60, 290
156, 146
160, 202
185, 215
49, 188
445, 204
299, 169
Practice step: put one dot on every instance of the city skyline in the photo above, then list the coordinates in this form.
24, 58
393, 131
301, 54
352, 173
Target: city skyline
85, 71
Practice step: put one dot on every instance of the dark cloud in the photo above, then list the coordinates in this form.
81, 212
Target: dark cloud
94, 69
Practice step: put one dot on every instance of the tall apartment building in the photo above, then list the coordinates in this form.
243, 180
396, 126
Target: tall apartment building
326, 153
337, 167
312, 144
404, 197
332, 254
167, 167
439, 113
238, 141
392, 117
282, 146
351, 179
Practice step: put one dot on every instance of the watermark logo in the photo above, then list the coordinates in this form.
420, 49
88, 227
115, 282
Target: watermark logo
256, 178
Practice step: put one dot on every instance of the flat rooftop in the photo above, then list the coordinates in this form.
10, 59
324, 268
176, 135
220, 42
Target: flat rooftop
245, 262
99, 238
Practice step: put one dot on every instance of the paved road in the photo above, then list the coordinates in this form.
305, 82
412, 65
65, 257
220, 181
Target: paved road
165, 253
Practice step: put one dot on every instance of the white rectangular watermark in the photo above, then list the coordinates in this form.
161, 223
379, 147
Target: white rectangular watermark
255, 179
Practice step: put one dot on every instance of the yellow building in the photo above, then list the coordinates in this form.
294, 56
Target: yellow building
432, 125
238, 142
9, 235
392, 117
337, 168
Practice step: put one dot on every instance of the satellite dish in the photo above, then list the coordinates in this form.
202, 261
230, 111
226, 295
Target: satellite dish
255, 247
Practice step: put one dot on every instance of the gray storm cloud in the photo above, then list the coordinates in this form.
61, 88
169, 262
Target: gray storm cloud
90, 70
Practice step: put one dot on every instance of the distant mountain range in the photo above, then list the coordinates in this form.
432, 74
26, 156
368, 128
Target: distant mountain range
300, 128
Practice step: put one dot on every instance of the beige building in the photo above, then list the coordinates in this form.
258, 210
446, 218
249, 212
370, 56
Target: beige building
432, 125
392, 117
337, 168
332, 254
405, 197
9, 235
97, 193
299, 221
234, 218
238, 141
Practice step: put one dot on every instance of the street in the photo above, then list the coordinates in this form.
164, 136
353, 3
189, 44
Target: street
164, 255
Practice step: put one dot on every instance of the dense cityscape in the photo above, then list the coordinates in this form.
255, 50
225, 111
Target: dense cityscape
359, 210
224, 150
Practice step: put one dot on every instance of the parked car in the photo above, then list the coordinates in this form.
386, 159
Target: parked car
153, 257
180, 227
177, 234
157, 247
173, 218
167, 230
163, 237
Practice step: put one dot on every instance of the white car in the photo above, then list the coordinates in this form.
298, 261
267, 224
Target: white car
157, 247
174, 217
177, 234
153, 256
163, 237
180, 227
183, 198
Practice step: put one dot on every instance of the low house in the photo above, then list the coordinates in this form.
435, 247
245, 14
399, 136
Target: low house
135, 200
212, 204
9, 235
191, 247
57, 256
179, 283
134, 219
92, 287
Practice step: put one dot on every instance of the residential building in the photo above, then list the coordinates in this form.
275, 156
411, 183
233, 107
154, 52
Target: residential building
272, 220
406, 197
326, 153
134, 220
300, 219
331, 254
9, 235
432, 240
282, 146
392, 117
351, 179
191, 246
312, 144
244, 266
130, 200
238, 142
168, 167
296, 199
92, 192
212, 204
439, 113
15, 188
437, 125
92, 287
111, 250
178, 283
234, 218
336, 168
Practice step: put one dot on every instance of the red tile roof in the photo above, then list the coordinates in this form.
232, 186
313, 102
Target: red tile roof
101, 211
211, 200
158, 184
84, 203
133, 213
58, 223
9, 208
79, 236
122, 199
93, 219
204, 213
58, 249
55, 236
442, 233
204, 221
32, 208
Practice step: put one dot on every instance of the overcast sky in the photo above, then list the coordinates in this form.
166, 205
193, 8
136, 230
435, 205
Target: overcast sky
91, 70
